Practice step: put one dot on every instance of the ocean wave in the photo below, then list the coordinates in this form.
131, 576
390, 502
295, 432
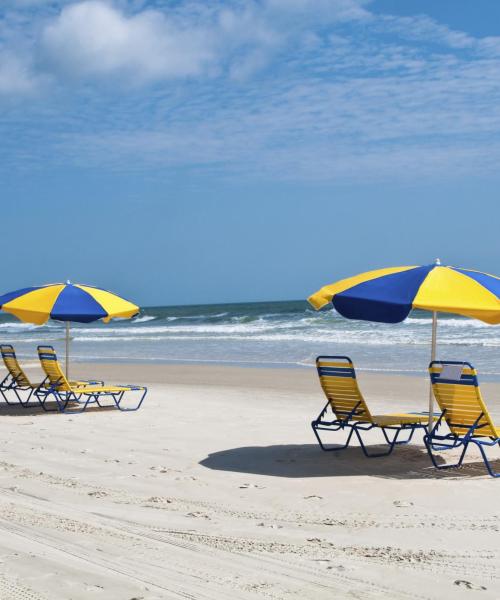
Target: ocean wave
296, 338
18, 326
447, 322
186, 329
196, 317
144, 319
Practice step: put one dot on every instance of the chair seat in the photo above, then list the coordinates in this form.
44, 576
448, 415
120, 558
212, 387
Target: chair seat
102, 389
399, 419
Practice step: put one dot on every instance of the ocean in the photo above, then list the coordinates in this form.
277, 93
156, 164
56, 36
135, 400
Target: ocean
274, 334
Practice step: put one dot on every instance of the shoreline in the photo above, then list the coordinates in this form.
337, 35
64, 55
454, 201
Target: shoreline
410, 389
280, 366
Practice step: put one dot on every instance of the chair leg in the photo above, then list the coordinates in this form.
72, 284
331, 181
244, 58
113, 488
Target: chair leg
133, 408
486, 460
325, 448
23, 403
399, 442
78, 400
428, 445
6, 399
392, 443
42, 399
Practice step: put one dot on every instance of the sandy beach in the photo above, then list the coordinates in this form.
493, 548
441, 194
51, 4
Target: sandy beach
216, 489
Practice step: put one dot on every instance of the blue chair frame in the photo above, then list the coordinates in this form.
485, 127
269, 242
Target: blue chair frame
450, 441
64, 398
10, 383
352, 420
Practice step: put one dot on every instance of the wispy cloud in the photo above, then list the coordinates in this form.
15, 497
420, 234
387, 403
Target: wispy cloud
16, 76
290, 89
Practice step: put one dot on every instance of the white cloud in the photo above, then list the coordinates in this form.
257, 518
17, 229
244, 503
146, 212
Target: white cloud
94, 39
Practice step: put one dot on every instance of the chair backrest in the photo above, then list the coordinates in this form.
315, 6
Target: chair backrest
338, 380
12, 365
457, 392
51, 367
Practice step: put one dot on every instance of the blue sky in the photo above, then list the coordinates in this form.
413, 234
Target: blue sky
187, 152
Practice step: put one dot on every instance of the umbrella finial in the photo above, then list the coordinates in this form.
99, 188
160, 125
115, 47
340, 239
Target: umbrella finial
437, 262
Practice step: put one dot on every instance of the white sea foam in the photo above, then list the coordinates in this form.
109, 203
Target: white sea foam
17, 326
144, 319
447, 322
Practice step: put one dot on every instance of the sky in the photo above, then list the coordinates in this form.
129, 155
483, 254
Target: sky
185, 152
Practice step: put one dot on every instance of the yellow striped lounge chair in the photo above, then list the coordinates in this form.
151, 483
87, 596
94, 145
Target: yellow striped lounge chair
457, 392
69, 394
16, 380
16, 383
347, 410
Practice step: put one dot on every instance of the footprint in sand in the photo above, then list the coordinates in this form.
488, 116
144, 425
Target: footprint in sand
468, 585
98, 494
161, 469
313, 497
93, 588
247, 486
159, 500
197, 515
339, 568
402, 504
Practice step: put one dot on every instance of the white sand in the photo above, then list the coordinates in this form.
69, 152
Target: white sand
217, 490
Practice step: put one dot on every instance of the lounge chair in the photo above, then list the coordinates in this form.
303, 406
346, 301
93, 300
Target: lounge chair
350, 411
67, 393
456, 389
17, 381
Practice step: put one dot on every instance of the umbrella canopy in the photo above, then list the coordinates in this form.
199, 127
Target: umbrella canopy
66, 302
388, 295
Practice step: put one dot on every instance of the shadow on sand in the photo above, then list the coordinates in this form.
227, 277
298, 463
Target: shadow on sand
307, 460
34, 409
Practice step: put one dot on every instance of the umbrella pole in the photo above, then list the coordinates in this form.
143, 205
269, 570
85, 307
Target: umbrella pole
433, 357
67, 349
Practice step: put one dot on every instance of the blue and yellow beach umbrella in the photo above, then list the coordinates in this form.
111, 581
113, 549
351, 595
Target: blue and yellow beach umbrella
389, 295
66, 302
